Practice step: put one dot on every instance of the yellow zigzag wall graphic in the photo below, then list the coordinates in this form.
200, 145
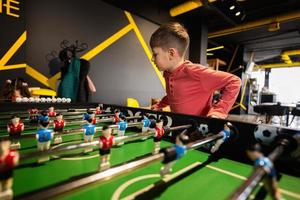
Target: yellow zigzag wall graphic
51, 82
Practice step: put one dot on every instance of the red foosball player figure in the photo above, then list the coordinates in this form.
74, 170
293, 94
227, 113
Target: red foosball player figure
106, 141
255, 154
14, 129
8, 160
51, 112
58, 125
94, 119
116, 117
99, 109
33, 115
159, 133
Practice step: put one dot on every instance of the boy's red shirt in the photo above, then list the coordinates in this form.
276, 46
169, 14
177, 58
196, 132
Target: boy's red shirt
190, 90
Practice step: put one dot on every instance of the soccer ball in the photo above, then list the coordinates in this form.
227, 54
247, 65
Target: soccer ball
31, 99
68, 100
48, 100
58, 100
54, 100
63, 100
19, 99
25, 99
37, 99
43, 100
203, 129
265, 134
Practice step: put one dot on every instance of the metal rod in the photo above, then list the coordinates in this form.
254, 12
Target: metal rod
77, 131
125, 138
199, 143
244, 191
98, 177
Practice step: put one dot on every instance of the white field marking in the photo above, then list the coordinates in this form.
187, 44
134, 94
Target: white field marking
283, 191
116, 195
166, 179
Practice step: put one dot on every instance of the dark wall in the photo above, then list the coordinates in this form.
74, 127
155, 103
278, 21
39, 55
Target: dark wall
11, 28
122, 70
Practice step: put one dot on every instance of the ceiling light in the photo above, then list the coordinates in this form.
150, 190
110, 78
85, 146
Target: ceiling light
232, 7
237, 13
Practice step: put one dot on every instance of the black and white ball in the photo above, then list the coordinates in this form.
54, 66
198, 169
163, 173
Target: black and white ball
43, 100
25, 99
19, 99
203, 129
58, 100
31, 99
68, 100
63, 100
265, 134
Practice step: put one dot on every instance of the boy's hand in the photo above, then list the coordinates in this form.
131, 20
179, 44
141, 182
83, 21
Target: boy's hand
155, 107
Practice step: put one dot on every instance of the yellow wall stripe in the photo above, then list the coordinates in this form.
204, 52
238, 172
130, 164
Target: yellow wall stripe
37, 75
145, 47
92, 53
244, 91
13, 49
52, 81
233, 107
16, 66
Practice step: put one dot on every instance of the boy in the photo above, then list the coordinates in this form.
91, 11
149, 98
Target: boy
189, 86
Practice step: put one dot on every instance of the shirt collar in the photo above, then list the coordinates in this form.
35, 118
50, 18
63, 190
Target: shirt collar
178, 69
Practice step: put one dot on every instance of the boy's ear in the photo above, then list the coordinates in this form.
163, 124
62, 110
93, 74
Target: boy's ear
172, 52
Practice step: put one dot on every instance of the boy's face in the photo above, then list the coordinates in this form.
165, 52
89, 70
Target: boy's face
161, 58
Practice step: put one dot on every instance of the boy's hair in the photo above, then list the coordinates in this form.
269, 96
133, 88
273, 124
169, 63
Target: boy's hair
171, 35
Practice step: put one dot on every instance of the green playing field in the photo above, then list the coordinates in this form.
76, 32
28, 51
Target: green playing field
189, 180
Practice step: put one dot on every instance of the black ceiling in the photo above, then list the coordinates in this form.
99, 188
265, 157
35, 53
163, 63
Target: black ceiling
157, 11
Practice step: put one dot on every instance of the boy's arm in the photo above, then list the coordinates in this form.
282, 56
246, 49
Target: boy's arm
163, 103
227, 83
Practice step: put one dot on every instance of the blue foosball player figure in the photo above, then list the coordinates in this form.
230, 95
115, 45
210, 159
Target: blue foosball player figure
255, 154
44, 137
89, 131
180, 149
122, 126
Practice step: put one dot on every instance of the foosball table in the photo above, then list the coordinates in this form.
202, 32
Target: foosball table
114, 152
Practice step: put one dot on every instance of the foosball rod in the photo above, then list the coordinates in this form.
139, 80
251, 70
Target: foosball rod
245, 190
77, 131
76, 115
119, 139
76, 110
112, 172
